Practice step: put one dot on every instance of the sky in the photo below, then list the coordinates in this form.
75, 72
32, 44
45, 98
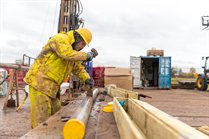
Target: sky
120, 29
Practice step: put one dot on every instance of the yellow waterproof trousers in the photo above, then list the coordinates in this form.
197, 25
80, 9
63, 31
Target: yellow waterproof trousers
41, 106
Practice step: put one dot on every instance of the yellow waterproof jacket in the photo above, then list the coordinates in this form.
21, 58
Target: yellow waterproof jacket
56, 62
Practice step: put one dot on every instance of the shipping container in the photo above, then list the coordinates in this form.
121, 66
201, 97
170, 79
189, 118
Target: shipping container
135, 62
164, 72
135, 65
151, 71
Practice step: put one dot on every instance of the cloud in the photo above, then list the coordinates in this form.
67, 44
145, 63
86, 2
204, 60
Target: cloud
131, 28
120, 29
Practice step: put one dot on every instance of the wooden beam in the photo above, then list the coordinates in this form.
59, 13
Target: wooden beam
156, 124
126, 127
153, 123
13, 66
141, 120
204, 129
119, 92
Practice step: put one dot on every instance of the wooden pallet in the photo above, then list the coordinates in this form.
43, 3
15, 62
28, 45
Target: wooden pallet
155, 52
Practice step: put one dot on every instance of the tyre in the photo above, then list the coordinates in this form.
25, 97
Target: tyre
202, 84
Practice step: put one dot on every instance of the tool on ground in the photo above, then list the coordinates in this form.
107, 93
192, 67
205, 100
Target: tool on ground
11, 101
143, 95
107, 109
65, 118
110, 103
65, 102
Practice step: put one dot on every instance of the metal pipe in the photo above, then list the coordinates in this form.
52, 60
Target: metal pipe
75, 127
13, 66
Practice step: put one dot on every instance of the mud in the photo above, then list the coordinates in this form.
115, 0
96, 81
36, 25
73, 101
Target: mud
101, 125
14, 124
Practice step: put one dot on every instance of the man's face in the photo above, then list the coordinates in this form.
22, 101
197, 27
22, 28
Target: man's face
80, 45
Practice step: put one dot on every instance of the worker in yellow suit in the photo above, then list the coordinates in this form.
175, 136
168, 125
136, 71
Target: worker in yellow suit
58, 58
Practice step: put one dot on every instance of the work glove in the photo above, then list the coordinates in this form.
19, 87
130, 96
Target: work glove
92, 54
89, 82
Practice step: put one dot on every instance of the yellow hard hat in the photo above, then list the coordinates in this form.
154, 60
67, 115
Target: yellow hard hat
85, 34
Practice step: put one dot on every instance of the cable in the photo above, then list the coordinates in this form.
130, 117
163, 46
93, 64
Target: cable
75, 10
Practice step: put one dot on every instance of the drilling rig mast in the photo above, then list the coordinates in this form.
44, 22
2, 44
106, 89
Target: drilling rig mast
70, 11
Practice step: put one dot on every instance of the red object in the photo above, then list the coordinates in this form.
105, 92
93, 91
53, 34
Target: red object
98, 76
20, 75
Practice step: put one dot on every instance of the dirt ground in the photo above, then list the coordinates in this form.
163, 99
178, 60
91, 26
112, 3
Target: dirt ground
14, 124
189, 106
101, 125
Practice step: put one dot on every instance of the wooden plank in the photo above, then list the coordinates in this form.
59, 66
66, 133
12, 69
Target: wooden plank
155, 52
131, 94
114, 92
144, 123
16, 87
119, 92
156, 124
14, 66
204, 129
126, 127
153, 123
